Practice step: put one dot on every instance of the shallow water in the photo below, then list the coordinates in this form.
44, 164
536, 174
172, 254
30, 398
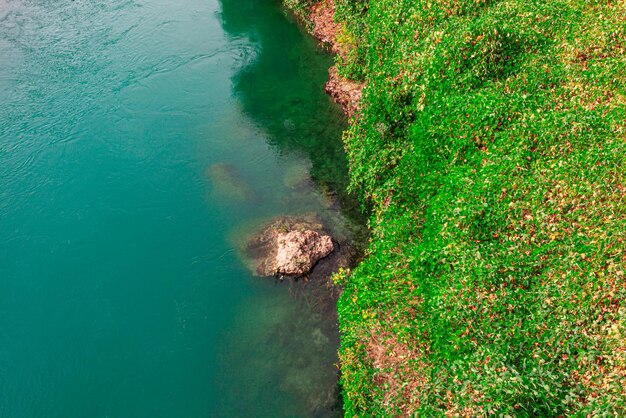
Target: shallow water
138, 139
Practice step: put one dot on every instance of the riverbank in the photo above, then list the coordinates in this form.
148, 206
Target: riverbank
490, 141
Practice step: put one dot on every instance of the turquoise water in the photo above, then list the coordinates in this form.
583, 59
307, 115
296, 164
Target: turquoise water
139, 141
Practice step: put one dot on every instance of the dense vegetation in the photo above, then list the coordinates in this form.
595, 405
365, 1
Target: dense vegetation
491, 144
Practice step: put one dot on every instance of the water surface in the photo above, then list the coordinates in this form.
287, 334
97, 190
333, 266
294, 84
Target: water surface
137, 140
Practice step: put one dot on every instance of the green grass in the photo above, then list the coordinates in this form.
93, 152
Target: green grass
492, 146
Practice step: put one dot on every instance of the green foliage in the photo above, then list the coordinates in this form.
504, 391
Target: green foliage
492, 146
301, 9
350, 13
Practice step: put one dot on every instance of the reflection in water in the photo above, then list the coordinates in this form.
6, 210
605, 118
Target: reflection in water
282, 89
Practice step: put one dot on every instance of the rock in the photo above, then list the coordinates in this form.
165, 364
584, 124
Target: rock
345, 92
324, 26
288, 246
298, 251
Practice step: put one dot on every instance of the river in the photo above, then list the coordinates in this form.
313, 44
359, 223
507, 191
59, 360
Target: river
139, 141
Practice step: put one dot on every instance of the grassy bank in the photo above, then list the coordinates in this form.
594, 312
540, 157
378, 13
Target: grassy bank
491, 143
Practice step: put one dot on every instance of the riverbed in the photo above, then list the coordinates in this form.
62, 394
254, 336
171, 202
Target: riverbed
139, 141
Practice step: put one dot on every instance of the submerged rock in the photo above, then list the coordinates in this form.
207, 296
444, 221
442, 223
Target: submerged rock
297, 177
228, 183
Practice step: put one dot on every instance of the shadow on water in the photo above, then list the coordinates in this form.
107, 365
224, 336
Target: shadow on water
282, 90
